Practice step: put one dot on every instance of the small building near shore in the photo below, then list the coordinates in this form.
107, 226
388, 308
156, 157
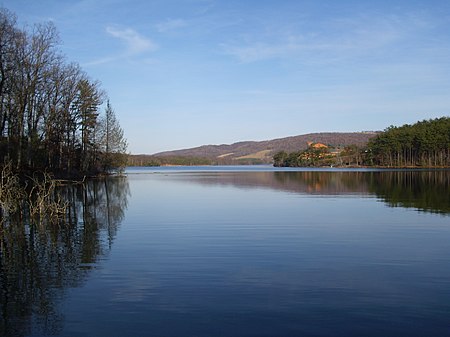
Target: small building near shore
317, 145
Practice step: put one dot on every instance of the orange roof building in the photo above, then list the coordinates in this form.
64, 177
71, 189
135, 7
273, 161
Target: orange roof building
316, 145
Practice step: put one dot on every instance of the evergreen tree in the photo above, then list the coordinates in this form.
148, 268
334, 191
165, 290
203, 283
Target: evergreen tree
113, 145
425, 143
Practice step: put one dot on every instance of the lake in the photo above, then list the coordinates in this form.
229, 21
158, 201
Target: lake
236, 251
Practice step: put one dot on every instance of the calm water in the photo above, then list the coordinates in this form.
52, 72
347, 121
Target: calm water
236, 252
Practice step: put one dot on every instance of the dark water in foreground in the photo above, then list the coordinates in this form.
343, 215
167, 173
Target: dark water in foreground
224, 252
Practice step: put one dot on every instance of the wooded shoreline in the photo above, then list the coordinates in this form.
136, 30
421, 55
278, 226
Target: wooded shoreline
425, 144
53, 117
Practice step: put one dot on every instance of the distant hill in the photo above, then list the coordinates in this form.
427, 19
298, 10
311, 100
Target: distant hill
262, 151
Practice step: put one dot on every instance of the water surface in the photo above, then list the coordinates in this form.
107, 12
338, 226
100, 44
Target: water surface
238, 252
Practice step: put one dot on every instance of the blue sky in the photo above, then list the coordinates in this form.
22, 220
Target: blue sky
184, 73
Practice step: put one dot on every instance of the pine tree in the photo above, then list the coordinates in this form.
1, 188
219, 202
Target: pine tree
113, 145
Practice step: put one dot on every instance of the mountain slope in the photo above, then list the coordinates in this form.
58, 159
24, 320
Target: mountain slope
264, 150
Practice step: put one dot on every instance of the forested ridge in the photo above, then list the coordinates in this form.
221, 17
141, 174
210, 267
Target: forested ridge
423, 144
53, 116
248, 152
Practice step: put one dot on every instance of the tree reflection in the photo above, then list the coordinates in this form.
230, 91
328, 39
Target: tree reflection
38, 263
425, 190
324, 182
428, 191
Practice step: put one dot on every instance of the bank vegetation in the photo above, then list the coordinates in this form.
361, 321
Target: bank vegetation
53, 116
425, 144
56, 123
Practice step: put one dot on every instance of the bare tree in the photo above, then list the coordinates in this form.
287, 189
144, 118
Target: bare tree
49, 110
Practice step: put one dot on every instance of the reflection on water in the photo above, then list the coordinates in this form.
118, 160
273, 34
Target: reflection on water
425, 190
37, 264
219, 253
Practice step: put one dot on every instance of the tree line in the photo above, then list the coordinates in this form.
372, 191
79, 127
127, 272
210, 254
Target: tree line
423, 144
50, 109
152, 160
320, 156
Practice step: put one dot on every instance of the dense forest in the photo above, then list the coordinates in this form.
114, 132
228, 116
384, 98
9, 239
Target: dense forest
423, 144
53, 116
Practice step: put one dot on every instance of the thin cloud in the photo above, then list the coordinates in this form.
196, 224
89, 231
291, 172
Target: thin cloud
258, 51
100, 61
135, 42
171, 25
351, 38
290, 47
